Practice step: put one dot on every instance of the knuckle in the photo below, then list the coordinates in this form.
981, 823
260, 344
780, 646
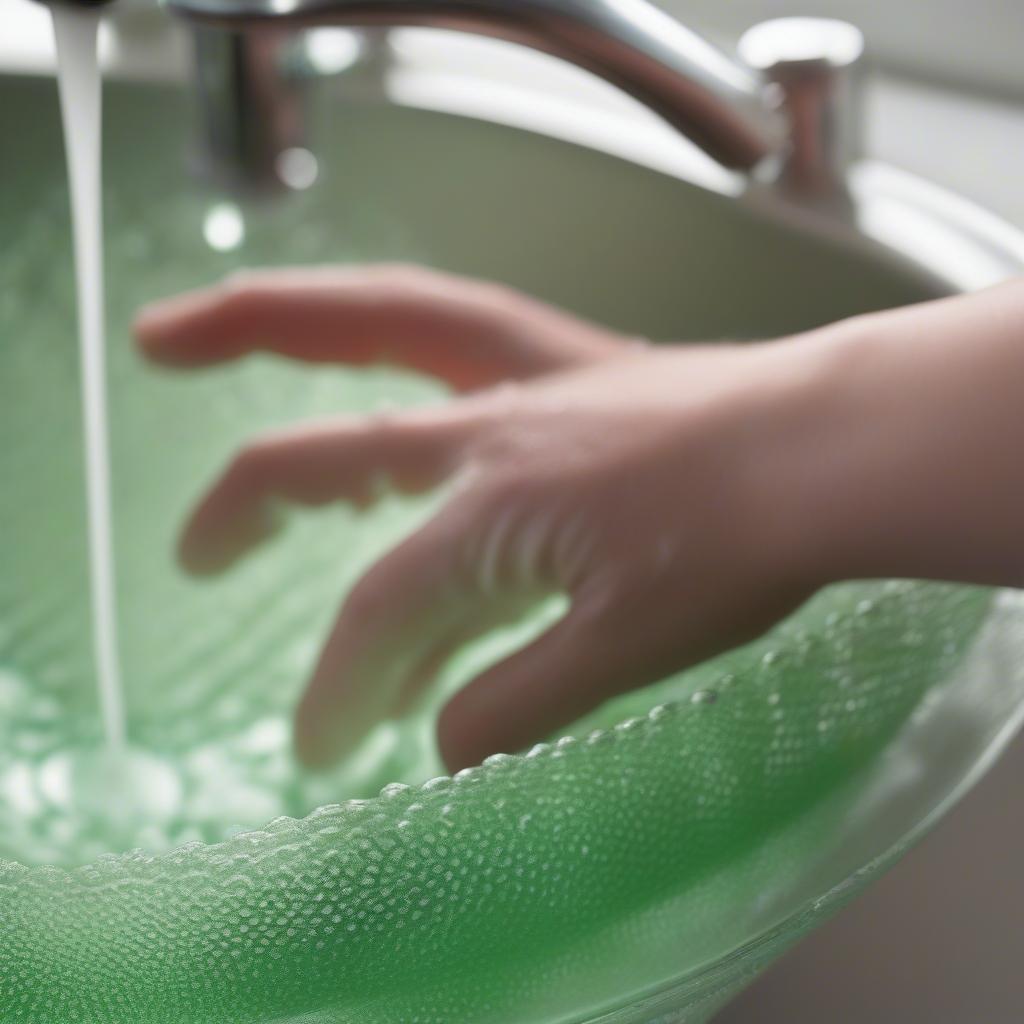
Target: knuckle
502, 492
384, 425
368, 601
251, 461
240, 468
241, 285
399, 280
501, 300
601, 599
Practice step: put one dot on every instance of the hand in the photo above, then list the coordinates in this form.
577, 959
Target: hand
642, 483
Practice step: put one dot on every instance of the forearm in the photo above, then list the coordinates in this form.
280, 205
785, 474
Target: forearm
916, 467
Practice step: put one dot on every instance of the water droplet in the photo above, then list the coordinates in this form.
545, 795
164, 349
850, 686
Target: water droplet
297, 167
704, 697
498, 760
224, 227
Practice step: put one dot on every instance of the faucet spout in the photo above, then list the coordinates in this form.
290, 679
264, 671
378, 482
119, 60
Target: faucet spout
720, 104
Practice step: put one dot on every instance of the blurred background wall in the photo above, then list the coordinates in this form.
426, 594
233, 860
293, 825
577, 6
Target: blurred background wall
978, 44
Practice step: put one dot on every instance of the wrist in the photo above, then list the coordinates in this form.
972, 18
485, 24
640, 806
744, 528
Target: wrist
846, 456
803, 472
902, 465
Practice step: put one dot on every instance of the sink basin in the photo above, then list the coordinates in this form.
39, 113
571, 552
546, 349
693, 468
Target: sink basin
645, 868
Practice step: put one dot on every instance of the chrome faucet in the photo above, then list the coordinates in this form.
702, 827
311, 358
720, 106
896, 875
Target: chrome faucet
787, 110
717, 102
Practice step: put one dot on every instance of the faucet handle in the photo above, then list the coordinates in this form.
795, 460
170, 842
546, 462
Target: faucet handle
816, 63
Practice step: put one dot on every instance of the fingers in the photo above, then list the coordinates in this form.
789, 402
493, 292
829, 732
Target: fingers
341, 460
467, 333
600, 649
569, 670
392, 624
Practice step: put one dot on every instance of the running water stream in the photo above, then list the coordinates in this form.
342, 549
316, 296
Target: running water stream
117, 786
79, 79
